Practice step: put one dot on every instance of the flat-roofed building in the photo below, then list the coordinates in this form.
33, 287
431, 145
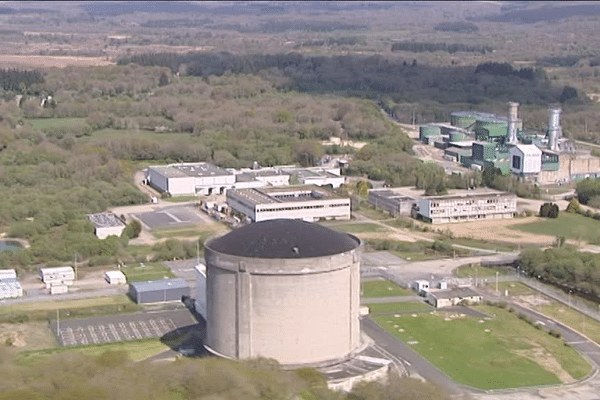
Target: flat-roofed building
57, 276
9, 286
467, 205
246, 179
452, 297
106, 224
319, 176
391, 200
309, 203
190, 179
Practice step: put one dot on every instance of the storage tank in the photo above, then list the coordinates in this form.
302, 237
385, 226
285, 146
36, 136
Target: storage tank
513, 110
554, 130
283, 289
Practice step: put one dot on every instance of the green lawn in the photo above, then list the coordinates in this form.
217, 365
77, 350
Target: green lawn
360, 227
53, 123
478, 244
503, 352
465, 271
383, 288
137, 350
180, 199
401, 307
514, 288
572, 226
147, 272
198, 231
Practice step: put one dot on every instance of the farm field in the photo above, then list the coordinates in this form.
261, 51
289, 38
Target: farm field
147, 272
383, 288
502, 352
572, 226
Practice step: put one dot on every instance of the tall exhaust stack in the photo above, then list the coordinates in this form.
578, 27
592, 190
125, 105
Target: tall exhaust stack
554, 132
513, 110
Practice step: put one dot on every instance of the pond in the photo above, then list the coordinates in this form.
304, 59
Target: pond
9, 245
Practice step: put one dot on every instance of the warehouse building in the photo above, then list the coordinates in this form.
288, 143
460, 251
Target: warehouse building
190, 179
392, 201
309, 203
283, 289
159, 291
466, 205
9, 285
106, 224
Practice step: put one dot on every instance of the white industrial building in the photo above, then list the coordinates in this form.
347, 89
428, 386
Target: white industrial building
247, 179
190, 179
58, 276
309, 203
319, 176
452, 297
106, 224
391, 200
525, 159
115, 278
466, 205
9, 286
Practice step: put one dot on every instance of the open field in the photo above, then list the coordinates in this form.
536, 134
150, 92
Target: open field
500, 230
359, 227
465, 271
503, 352
34, 61
27, 336
572, 226
403, 307
514, 288
508, 247
180, 199
147, 272
136, 351
383, 288
53, 123
68, 309
202, 232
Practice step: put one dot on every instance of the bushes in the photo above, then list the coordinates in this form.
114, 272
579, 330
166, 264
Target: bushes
549, 210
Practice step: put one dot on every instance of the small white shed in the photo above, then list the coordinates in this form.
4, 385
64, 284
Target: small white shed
115, 277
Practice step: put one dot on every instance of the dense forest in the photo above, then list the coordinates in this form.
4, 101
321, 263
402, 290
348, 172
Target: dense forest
371, 76
451, 48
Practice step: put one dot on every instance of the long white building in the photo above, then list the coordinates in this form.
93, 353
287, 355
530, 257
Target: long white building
467, 205
309, 203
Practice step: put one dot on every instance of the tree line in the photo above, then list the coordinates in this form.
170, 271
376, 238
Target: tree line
19, 81
446, 47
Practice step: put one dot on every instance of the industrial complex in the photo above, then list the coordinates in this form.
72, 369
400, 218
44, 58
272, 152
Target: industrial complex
480, 140
283, 289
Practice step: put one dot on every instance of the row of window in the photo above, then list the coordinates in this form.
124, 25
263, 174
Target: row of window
306, 207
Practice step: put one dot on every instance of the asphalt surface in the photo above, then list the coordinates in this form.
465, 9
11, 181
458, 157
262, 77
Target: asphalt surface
171, 217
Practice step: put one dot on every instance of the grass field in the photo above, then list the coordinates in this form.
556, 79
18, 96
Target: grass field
478, 244
503, 352
514, 288
465, 271
402, 307
358, 227
574, 319
202, 231
53, 123
572, 226
383, 288
136, 350
81, 308
147, 272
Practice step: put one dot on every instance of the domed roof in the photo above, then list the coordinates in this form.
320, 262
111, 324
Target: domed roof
283, 238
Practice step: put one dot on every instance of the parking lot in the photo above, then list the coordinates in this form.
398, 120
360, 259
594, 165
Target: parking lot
381, 259
75, 332
172, 217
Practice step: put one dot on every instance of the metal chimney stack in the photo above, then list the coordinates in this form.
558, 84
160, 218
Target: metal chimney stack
513, 110
554, 131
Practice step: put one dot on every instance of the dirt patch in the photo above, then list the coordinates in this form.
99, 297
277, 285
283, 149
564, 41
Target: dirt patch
27, 336
499, 230
531, 300
541, 357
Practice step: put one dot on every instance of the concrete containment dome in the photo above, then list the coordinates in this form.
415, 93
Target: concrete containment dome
283, 289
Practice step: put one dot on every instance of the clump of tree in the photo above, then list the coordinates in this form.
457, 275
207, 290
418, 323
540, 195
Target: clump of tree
549, 210
564, 267
588, 191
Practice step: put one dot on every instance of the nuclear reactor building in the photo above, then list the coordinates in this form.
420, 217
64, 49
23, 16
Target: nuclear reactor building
283, 289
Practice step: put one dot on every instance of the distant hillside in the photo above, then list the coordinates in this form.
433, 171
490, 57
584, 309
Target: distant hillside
546, 13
